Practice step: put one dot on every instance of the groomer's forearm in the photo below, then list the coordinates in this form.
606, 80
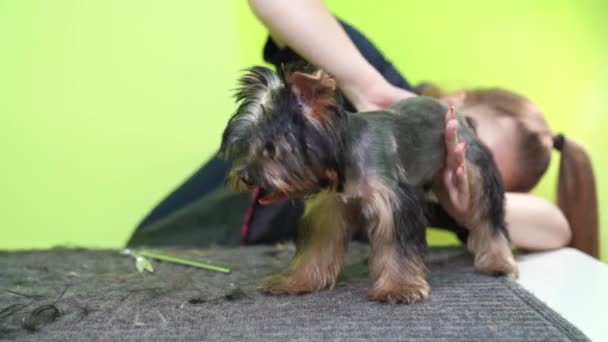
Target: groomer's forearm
535, 223
308, 28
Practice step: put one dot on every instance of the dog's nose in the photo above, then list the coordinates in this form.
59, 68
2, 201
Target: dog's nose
246, 179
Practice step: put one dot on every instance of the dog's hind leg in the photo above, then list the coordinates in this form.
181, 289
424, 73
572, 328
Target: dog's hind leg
396, 230
488, 236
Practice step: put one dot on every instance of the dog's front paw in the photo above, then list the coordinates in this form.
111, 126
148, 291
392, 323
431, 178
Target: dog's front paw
281, 284
400, 293
496, 264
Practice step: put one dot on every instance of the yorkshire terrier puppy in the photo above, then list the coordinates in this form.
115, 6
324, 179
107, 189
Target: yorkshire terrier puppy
368, 171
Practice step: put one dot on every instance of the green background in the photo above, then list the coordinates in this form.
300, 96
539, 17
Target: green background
105, 106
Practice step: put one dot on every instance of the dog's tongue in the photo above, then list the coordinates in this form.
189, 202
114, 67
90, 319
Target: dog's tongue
271, 198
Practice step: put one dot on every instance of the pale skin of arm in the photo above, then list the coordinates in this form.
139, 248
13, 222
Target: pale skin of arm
308, 28
536, 224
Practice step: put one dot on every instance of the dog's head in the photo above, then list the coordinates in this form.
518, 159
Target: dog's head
286, 135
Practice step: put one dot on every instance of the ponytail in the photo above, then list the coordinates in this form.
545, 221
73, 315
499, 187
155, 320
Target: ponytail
576, 195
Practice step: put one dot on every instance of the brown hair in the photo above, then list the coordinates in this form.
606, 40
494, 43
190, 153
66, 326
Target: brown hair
577, 197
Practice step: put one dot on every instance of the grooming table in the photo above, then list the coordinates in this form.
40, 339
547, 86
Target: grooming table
105, 298
571, 283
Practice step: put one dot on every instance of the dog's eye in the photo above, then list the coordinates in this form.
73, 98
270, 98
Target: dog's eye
269, 150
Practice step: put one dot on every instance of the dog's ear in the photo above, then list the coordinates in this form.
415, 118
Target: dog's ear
315, 92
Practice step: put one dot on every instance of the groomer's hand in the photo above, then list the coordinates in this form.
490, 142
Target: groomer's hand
452, 184
373, 95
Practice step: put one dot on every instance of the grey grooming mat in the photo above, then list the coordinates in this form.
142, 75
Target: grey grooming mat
98, 295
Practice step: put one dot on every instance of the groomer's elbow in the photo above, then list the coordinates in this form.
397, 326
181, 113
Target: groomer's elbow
562, 233
535, 223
